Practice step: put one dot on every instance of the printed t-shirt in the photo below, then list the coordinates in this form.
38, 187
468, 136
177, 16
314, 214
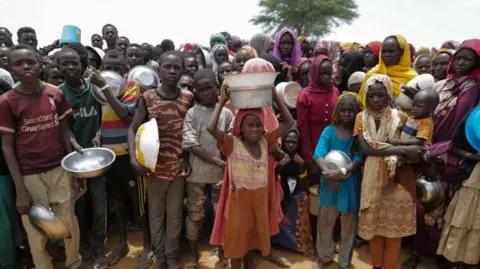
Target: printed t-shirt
86, 113
418, 128
170, 114
114, 130
35, 121
195, 134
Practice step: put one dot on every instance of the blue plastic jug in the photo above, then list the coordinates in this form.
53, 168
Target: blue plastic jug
70, 34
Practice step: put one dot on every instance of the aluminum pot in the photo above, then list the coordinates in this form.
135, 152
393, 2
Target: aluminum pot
289, 92
430, 192
91, 163
145, 76
250, 90
47, 223
204, 59
116, 84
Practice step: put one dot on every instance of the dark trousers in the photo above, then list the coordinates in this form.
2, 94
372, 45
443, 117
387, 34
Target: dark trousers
95, 199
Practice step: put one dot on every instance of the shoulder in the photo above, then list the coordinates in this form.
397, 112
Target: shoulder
186, 93
7, 97
329, 129
227, 112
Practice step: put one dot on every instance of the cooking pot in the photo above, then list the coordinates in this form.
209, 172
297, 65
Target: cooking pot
430, 192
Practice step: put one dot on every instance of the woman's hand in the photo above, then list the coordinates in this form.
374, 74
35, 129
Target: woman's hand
224, 96
286, 159
288, 70
409, 91
413, 153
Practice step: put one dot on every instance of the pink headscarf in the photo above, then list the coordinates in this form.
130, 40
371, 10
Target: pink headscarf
296, 56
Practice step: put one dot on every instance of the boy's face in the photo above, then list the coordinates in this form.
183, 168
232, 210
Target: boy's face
191, 65
206, 92
4, 52
122, 45
69, 66
25, 65
186, 82
28, 39
97, 41
420, 106
115, 67
171, 69
110, 35
135, 56
54, 77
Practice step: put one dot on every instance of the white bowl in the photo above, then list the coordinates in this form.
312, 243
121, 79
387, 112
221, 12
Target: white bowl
147, 144
404, 101
251, 90
251, 80
289, 91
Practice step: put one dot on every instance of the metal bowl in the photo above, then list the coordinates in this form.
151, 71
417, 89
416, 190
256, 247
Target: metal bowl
115, 82
146, 77
289, 92
92, 162
204, 59
336, 159
45, 222
430, 192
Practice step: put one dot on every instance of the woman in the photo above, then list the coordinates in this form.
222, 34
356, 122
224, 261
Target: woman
394, 62
261, 43
287, 50
387, 209
440, 64
314, 109
219, 55
372, 54
350, 62
459, 94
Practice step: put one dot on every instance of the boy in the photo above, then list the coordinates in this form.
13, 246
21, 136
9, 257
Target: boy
165, 187
85, 124
122, 44
205, 158
110, 35
121, 178
135, 55
52, 75
191, 65
35, 138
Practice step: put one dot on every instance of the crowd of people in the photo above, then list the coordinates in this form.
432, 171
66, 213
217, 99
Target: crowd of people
398, 113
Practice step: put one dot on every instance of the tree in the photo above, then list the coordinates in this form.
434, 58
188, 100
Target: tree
306, 17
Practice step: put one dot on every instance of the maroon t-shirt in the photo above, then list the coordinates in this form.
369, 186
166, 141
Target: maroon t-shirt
35, 121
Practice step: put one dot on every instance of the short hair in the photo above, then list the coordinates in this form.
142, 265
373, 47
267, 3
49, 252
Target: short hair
63, 51
24, 47
6, 30
169, 53
227, 35
204, 74
109, 25
47, 68
167, 45
124, 37
25, 30
82, 52
136, 45
96, 35
115, 56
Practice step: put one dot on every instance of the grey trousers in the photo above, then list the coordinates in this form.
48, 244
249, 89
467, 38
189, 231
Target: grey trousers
325, 243
165, 207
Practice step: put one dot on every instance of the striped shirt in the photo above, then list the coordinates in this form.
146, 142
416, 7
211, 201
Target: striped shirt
170, 114
114, 130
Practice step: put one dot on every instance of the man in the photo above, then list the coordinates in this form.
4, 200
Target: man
35, 138
110, 35
97, 41
28, 36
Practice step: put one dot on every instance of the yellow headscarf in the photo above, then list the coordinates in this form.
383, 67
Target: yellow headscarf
401, 73
300, 39
347, 46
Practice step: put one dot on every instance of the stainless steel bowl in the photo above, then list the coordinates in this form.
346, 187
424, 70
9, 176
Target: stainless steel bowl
116, 84
45, 221
146, 77
204, 59
92, 162
430, 192
336, 159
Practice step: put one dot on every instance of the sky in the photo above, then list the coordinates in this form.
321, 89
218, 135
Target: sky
422, 22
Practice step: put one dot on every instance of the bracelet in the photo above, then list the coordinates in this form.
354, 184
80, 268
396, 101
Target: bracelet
104, 87
303, 175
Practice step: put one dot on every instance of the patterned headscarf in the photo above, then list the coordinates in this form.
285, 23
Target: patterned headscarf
214, 50
261, 43
348, 97
296, 57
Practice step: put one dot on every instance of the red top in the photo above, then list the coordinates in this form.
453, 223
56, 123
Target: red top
35, 121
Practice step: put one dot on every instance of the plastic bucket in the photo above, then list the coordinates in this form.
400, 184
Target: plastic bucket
70, 34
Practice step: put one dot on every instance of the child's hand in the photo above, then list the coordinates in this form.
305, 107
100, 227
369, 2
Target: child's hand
96, 78
224, 96
96, 141
220, 163
333, 185
333, 175
185, 169
298, 160
390, 188
286, 159
220, 183
139, 169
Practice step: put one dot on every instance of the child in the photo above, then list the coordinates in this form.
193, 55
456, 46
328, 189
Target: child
186, 83
122, 44
340, 189
166, 186
191, 65
110, 35
52, 75
205, 159
135, 55
121, 178
355, 81
35, 138
85, 125
247, 223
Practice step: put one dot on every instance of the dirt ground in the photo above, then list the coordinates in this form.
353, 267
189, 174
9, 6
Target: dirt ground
361, 258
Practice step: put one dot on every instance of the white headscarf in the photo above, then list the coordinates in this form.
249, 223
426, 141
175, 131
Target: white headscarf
356, 77
422, 82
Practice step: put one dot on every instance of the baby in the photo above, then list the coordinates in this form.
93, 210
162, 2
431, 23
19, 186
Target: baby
418, 129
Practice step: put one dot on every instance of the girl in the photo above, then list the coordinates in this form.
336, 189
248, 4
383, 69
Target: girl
246, 213
315, 106
387, 209
338, 193
287, 50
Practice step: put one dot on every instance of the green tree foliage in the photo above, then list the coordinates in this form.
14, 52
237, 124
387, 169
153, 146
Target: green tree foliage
306, 17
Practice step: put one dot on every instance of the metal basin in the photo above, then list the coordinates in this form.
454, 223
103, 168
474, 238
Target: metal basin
250, 90
93, 162
45, 221
430, 192
116, 84
146, 77
289, 92
336, 159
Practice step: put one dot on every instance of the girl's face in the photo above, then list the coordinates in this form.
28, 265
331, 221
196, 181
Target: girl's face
325, 73
370, 58
251, 128
423, 65
377, 97
464, 62
291, 143
440, 65
346, 113
240, 59
286, 45
226, 68
391, 51
221, 55
354, 87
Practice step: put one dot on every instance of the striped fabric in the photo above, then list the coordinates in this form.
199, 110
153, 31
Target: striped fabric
114, 130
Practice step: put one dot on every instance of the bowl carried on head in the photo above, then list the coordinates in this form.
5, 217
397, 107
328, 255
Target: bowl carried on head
251, 90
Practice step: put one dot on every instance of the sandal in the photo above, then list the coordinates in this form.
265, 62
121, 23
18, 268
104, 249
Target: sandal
145, 260
278, 260
118, 255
